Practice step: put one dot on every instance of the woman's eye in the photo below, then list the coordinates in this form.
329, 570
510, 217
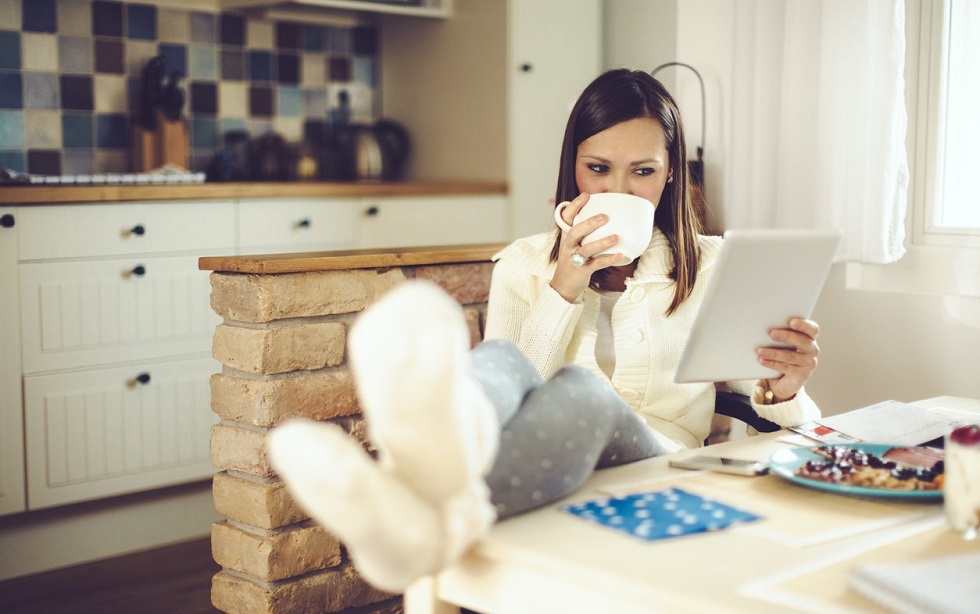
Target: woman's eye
644, 172
598, 168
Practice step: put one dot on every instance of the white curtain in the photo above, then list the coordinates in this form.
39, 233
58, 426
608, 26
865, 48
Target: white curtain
819, 121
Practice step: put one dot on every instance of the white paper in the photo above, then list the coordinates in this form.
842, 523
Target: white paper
891, 422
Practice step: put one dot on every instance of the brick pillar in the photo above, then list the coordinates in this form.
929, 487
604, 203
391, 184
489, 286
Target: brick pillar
282, 345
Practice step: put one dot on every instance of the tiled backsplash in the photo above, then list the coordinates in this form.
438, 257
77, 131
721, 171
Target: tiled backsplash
70, 78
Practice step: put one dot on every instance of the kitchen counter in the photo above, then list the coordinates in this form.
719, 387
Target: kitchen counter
267, 264
44, 195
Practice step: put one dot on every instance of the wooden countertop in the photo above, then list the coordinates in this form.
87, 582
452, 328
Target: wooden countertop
266, 264
45, 195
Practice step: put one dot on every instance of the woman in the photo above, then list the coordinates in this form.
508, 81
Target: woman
465, 438
628, 322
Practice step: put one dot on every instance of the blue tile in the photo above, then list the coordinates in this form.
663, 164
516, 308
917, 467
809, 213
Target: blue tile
314, 37
203, 27
259, 66
76, 92
11, 130
229, 124
76, 130
39, 16
11, 90
204, 133
107, 18
14, 160
339, 40
290, 102
112, 130
176, 57
9, 49
203, 62
141, 22
365, 70
40, 90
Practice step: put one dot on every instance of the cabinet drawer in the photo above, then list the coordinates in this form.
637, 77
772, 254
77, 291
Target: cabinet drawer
276, 226
80, 231
97, 433
443, 220
79, 314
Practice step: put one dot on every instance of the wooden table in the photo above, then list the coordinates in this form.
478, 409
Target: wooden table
798, 558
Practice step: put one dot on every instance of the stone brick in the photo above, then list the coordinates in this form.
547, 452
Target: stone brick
241, 449
265, 504
279, 349
264, 298
274, 555
467, 283
323, 592
318, 395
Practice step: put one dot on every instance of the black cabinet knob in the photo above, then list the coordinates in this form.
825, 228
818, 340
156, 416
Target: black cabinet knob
138, 230
143, 378
7, 220
372, 210
139, 270
304, 223
526, 67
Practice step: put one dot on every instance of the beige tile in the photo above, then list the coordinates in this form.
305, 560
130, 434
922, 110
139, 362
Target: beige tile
291, 128
12, 15
109, 93
107, 161
232, 99
40, 51
42, 129
74, 17
138, 53
260, 34
173, 26
314, 70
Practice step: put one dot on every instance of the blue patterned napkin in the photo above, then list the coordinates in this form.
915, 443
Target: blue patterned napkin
659, 515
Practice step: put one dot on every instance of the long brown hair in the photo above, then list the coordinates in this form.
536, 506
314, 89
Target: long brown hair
621, 95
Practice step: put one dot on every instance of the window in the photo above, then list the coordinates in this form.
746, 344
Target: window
942, 75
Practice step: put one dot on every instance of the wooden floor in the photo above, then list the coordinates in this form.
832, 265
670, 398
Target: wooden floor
171, 580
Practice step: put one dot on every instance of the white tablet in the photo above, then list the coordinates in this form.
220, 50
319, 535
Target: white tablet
761, 279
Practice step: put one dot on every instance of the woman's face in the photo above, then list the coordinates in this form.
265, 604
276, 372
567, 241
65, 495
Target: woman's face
629, 157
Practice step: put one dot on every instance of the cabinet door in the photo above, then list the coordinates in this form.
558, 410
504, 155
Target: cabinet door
96, 433
431, 220
555, 53
11, 416
77, 314
296, 225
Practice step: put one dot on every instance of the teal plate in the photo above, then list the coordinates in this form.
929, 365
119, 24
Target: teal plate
786, 462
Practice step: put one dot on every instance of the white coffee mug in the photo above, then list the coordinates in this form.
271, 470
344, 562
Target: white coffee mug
630, 217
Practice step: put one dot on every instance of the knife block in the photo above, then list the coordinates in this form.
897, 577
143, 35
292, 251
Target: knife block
166, 144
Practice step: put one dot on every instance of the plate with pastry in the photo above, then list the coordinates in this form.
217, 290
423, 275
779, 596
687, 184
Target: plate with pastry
865, 469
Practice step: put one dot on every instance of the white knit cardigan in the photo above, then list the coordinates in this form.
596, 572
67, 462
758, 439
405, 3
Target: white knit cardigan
551, 332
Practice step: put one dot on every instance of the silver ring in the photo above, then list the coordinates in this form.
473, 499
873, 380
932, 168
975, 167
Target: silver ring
578, 259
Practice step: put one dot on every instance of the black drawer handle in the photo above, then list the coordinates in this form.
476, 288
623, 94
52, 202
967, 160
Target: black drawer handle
139, 270
372, 211
139, 230
143, 378
7, 220
304, 223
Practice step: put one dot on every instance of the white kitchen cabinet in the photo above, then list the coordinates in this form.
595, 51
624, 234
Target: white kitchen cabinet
431, 220
115, 341
554, 52
100, 432
267, 226
11, 417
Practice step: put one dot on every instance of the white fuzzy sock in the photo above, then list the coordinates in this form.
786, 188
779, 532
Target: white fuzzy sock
426, 413
436, 432
393, 535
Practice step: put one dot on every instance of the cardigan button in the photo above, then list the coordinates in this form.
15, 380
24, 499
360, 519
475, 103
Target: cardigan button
633, 337
629, 394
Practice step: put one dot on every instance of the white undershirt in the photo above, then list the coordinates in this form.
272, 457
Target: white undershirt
605, 351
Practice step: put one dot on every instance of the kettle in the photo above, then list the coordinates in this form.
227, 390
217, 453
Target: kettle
378, 152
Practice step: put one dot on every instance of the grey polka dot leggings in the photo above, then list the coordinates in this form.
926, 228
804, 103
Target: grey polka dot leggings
554, 434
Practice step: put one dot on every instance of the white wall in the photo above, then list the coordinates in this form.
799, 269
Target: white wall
874, 345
